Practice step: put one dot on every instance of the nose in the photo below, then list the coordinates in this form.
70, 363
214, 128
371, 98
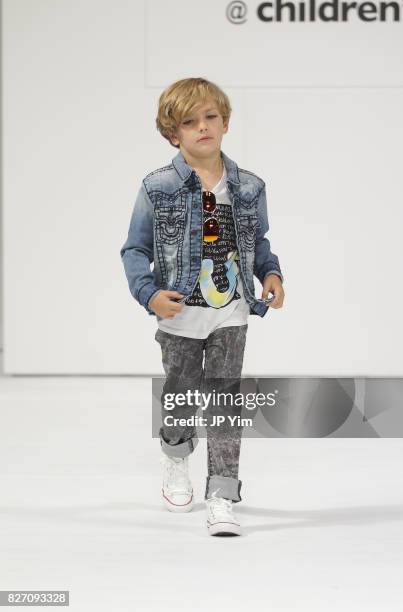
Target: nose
202, 125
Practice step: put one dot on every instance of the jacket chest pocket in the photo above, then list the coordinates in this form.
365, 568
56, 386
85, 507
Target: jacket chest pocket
247, 227
170, 221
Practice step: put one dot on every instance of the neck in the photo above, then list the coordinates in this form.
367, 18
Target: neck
208, 165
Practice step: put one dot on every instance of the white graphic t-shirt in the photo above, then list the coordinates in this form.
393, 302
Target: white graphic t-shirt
218, 298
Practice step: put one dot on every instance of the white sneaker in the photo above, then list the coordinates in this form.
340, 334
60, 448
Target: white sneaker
177, 490
220, 518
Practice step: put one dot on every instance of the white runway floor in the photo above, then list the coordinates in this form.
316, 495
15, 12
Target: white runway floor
81, 511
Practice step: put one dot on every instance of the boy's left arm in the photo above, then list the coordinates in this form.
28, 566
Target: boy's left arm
267, 266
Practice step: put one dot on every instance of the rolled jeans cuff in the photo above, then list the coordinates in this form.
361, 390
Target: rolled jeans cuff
183, 449
224, 486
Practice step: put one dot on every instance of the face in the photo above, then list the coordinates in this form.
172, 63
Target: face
204, 120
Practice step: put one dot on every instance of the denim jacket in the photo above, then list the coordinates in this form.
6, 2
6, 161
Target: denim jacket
166, 230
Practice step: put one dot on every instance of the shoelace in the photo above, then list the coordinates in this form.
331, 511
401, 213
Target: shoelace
220, 507
177, 470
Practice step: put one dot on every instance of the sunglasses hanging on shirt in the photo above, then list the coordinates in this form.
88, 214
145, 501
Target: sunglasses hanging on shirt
210, 226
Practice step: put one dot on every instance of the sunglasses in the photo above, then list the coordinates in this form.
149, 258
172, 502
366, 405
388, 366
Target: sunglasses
210, 226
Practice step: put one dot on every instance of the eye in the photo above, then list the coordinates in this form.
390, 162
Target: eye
187, 121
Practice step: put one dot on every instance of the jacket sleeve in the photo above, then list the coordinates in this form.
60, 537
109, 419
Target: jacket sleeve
137, 253
266, 262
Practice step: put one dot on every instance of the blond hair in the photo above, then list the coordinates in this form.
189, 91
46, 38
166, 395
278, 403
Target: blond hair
180, 98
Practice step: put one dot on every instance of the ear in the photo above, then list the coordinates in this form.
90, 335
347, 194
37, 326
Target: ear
173, 139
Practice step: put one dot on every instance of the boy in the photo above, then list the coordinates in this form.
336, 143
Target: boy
202, 221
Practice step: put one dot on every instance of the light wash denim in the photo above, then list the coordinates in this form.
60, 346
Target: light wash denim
166, 229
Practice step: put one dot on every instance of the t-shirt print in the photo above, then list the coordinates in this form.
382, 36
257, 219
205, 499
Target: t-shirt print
219, 273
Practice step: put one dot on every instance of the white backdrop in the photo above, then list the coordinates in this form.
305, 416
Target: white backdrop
318, 120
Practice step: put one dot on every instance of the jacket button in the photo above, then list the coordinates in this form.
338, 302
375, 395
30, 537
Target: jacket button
195, 259
194, 232
195, 205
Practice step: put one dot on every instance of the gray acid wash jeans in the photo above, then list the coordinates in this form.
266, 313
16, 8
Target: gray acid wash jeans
182, 359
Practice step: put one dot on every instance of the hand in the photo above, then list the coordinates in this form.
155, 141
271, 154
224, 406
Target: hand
272, 283
163, 305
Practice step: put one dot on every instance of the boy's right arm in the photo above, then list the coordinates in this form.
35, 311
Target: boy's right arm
137, 253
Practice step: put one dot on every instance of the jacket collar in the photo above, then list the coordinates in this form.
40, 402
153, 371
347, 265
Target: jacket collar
185, 171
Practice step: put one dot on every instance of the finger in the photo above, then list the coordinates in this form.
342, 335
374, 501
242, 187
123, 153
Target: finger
169, 313
171, 301
174, 294
267, 295
176, 307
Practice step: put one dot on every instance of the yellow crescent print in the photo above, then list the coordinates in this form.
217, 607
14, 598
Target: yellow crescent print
213, 297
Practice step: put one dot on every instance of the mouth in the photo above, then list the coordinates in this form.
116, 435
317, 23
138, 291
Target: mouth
204, 138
